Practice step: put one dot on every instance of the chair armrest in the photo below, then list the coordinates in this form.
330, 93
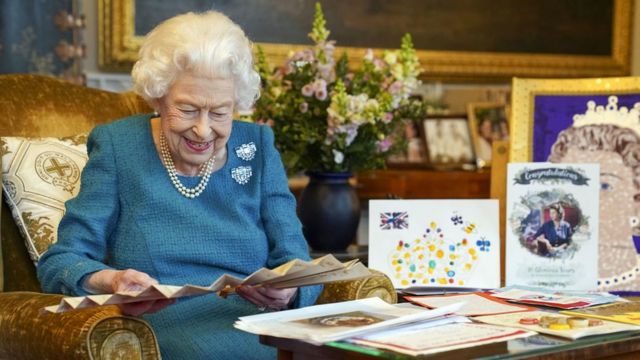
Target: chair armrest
96, 333
376, 285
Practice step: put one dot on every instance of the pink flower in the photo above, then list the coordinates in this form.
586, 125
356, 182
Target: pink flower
307, 90
320, 84
387, 117
379, 63
395, 87
304, 55
268, 122
384, 145
321, 94
304, 107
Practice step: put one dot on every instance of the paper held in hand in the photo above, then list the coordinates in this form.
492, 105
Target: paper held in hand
295, 273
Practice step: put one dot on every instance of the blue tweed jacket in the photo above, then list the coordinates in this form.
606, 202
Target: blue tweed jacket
129, 215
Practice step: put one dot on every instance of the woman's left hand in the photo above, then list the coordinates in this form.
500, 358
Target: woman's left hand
267, 297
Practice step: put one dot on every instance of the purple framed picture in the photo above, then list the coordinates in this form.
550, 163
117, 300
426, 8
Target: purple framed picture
590, 121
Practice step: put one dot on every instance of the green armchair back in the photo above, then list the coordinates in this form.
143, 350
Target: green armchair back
38, 106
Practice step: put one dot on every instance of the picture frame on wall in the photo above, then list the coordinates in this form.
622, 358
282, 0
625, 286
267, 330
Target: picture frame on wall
591, 120
448, 142
414, 155
489, 122
596, 43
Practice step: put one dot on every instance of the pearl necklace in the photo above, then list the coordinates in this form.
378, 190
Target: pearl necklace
205, 172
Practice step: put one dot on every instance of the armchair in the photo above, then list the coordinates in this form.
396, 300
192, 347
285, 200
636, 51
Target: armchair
37, 106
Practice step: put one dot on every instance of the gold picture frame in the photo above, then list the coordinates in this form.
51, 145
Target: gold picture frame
488, 122
119, 44
525, 93
449, 142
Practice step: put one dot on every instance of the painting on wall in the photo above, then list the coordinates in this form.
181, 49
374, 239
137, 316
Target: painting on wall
590, 121
460, 43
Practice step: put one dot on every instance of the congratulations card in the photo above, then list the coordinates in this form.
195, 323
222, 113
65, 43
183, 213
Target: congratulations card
435, 243
552, 225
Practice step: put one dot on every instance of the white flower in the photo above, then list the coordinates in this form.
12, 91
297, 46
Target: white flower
390, 57
338, 156
276, 91
368, 55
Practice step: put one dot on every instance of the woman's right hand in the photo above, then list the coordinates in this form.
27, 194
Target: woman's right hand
113, 281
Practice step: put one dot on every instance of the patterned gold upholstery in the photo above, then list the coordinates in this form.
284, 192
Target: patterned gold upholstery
38, 106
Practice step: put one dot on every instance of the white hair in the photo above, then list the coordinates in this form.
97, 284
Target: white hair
204, 44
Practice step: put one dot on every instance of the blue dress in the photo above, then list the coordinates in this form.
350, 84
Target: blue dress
129, 215
556, 236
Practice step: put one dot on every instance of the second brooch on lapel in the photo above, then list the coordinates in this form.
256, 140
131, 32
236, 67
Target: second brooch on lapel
247, 151
241, 174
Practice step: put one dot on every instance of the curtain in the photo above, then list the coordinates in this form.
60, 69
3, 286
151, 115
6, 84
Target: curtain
28, 36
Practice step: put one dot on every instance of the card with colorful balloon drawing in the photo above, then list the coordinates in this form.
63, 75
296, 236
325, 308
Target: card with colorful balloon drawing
436, 243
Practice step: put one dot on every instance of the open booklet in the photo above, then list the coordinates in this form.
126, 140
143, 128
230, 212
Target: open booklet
295, 273
332, 322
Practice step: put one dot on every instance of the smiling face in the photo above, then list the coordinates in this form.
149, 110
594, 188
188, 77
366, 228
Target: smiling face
196, 119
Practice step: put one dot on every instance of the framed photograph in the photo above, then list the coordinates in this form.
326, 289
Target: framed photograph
590, 121
448, 141
489, 122
414, 154
596, 44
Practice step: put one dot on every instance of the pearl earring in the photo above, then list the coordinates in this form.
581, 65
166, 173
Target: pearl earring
156, 114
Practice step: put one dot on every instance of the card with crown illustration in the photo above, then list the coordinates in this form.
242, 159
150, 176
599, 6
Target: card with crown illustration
435, 243
552, 225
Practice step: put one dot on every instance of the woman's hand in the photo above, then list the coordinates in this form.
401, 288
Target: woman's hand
267, 297
113, 281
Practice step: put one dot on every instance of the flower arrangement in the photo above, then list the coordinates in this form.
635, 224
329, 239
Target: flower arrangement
327, 118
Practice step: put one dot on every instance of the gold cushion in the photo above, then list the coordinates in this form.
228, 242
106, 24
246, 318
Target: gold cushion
38, 176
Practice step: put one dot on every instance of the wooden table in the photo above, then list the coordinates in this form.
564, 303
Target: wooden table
414, 184
613, 346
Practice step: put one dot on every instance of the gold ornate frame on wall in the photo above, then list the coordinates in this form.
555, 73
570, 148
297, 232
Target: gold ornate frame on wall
118, 48
524, 92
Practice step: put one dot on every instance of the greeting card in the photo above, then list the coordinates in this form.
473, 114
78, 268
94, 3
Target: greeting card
435, 243
552, 225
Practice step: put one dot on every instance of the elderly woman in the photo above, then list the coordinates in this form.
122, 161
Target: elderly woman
184, 195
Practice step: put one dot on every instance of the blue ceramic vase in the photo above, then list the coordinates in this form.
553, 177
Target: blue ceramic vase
329, 210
